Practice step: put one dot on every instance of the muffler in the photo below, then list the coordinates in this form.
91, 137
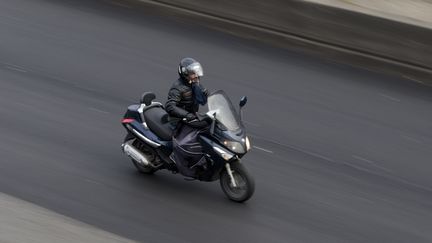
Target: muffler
135, 154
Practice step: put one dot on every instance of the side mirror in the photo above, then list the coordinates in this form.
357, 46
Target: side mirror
243, 101
212, 125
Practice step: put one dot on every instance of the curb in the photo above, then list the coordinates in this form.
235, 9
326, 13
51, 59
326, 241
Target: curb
297, 41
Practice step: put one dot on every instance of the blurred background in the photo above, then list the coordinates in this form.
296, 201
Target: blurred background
339, 115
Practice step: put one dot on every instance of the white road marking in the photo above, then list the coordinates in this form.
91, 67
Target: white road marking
296, 148
412, 139
362, 159
101, 111
365, 199
23, 104
413, 79
316, 155
372, 163
15, 68
120, 4
93, 181
263, 149
396, 177
390, 98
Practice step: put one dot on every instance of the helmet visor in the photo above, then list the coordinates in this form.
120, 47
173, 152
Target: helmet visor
195, 68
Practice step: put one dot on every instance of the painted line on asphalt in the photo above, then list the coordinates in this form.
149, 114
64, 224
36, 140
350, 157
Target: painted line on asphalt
120, 4
363, 159
412, 139
297, 149
413, 79
93, 181
372, 163
398, 178
101, 111
16, 68
263, 149
23, 104
390, 98
315, 154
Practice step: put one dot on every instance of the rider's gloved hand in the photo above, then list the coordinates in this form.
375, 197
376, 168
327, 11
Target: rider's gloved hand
190, 117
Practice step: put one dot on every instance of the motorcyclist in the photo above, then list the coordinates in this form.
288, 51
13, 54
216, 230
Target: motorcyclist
186, 94
184, 98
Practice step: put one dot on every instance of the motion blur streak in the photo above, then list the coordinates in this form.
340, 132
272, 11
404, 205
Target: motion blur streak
77, 58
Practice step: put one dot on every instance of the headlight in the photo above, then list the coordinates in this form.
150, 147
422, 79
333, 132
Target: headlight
225, 154
234, 146
248, 145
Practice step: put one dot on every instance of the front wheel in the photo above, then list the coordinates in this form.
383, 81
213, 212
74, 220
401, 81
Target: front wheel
245, 185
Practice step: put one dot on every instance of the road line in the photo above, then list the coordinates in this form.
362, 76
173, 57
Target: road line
263, 149
18, 69
373, 164
93, 181
297, 149
120, 4
316, 155
101, 111
413, 79
363, 159
412, 139
390, 98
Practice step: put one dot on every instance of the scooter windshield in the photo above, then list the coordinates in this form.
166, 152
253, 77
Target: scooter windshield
220, 105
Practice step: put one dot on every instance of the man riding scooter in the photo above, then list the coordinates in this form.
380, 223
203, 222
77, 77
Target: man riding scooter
184, 98
204, 147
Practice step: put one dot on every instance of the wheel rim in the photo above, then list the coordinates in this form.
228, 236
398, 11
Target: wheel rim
242, 186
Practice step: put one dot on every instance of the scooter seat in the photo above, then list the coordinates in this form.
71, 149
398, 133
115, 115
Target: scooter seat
156, 119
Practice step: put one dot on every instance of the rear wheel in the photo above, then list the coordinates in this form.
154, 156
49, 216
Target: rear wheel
129, 136
145, 169
245, 185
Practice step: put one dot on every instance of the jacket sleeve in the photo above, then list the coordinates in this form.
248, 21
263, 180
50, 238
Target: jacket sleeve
171, 107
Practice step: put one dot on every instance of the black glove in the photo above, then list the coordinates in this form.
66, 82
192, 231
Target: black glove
190, 117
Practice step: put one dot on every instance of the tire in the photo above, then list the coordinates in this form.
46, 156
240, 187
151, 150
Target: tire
245, 182
128, 137
145, 169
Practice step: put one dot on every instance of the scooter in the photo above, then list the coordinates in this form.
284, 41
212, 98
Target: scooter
149, 142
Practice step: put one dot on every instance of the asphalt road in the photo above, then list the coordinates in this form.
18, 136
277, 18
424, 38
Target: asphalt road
340, 154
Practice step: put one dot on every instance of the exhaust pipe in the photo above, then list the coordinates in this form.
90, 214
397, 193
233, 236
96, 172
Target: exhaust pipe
135, 154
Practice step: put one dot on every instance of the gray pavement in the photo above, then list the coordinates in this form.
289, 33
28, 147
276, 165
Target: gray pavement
340, 154
24, 222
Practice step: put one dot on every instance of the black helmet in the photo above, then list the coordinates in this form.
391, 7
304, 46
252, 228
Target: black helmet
189, 65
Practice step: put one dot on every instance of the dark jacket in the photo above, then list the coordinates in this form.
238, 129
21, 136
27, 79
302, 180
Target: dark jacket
181, 99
